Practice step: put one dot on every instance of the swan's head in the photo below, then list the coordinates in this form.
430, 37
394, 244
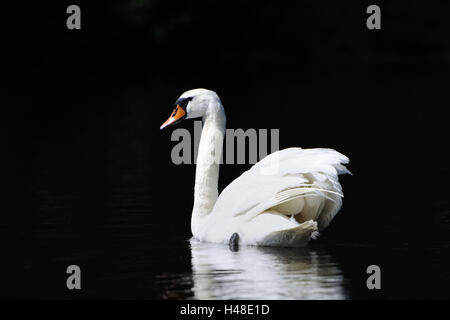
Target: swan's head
193, 104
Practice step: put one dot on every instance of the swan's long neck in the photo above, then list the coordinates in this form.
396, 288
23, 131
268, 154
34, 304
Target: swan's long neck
208, 161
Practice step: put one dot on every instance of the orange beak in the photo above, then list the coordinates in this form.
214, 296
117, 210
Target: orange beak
177, 115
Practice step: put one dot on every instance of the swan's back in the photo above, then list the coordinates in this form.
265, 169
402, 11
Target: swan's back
282, 200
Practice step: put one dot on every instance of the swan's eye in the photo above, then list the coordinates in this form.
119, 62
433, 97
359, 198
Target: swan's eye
183, 102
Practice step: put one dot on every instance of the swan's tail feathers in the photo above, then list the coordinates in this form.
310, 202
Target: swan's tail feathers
297, 236
310, 203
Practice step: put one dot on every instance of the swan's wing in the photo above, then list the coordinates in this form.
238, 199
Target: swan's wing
283, 176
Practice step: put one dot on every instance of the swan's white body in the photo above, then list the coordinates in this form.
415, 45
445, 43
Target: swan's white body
283, 200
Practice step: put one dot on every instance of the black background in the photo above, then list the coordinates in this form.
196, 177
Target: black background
86, 167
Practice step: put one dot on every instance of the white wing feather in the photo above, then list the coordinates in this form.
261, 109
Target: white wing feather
283, 176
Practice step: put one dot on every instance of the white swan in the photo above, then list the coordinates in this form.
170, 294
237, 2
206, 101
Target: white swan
283, 200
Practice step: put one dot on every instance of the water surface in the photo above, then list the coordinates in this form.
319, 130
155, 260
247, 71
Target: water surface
264, 273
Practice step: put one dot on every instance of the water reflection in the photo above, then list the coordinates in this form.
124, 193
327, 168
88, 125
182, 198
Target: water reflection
264, 273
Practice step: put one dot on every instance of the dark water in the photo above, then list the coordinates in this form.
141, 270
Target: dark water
132, 244
181, 269
87, 177
105, 196
264, 273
